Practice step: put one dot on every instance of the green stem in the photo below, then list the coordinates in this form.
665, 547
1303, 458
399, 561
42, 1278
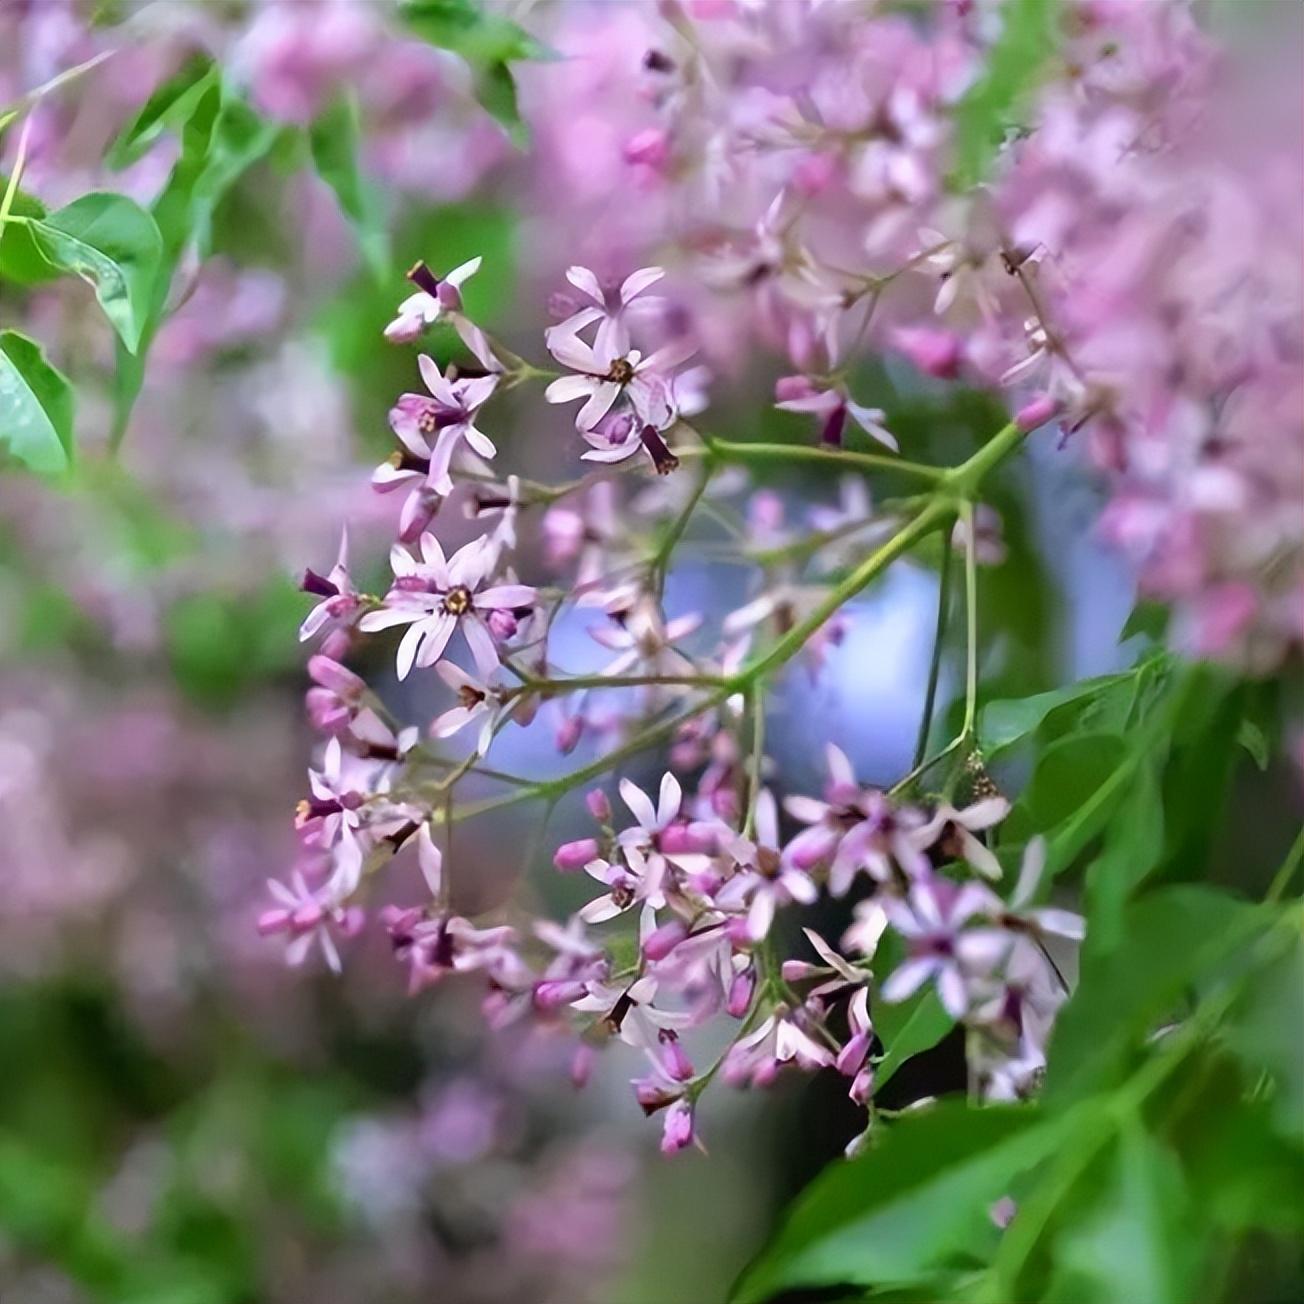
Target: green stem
971, 620
570, 683
660, 560
757, 713
796, 638
731, 451
935, 663
1281, 879
11, 190
564, 783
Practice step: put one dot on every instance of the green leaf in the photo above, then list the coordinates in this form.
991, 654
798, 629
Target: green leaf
1133, 847
36, 406
1169, 939
1250, 736
495, 88
335, 138
469, 29
114, 244
1070, 770
1148, 620
1263, 1031
913, 1207
170, 106
488, 42
221, 138
1140, 1242
907, 1029
20, 259
1014, 64
1004, 723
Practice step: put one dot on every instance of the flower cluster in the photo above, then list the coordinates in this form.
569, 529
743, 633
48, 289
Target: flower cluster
1130, 270
827, 139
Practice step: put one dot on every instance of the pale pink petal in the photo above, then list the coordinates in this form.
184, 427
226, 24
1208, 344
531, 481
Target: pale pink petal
481, 643
605, 393
585, 281
636, 282
639, 803
670, 798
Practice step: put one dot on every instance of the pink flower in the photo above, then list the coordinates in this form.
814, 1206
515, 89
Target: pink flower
308, 917
645, 642
606, 373
780, 1039
762, 881
612, 337
677, 1129
434, 597
628, 1011
832, 406
435, 298
935, 352
450, 417
339, 600
635, 883
434, 947
476, 700
931, 920
853, 829
953, 832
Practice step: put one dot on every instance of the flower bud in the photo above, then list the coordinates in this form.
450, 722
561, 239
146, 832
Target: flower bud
569, 733
553, 995
339, 679
326, 713
789, 388
934, 352
581, 1066
598, 804
741, 990
677, 1063
652, 1096
852, 1056
677, 1131
862, 1086
663, 940
572, 856
650, 147
502, 624
1035, 413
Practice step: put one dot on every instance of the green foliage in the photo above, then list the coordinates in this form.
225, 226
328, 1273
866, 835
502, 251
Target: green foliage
1136, 1240
488, 42
911, 1209
1168, 1137
21, 261
335, 139
907, 1029
36, 406
235, 1147
1026, 43
221, 138
170, 106
1103, 1172
111, 242
222, 645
